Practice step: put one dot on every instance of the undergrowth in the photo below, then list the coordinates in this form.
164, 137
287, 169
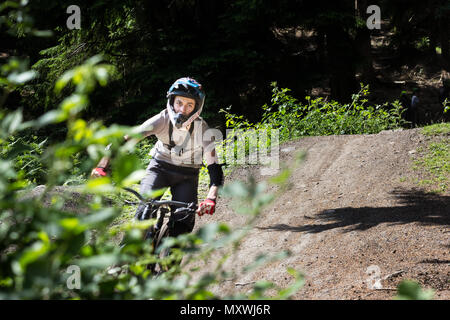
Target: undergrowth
434, 159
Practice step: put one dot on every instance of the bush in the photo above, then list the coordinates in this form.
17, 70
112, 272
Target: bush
25, 152
318, 117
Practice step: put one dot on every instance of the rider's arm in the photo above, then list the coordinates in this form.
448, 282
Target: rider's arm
215, 175
216, 180
99, 170
214, 168
103, 163
153, 125
212, 194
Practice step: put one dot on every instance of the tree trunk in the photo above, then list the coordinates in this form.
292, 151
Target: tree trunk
433, 43
321, 53
444, 38
341, 63
363, 44
432, 30
364, 49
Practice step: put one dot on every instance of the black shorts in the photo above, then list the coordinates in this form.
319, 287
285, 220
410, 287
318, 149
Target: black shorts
183, 184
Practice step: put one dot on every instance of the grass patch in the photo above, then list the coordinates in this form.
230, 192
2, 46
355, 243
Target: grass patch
434, 160
437, 129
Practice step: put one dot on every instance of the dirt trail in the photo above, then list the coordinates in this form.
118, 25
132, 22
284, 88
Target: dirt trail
353, 209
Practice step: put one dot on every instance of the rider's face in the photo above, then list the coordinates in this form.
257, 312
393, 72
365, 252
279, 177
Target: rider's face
184, 105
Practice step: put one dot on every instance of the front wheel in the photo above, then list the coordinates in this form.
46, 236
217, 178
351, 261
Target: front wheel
157, 268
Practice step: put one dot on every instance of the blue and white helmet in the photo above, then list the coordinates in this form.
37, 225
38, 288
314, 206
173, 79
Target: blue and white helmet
189, 88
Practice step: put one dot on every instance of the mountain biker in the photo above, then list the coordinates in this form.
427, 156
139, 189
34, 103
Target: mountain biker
178, 155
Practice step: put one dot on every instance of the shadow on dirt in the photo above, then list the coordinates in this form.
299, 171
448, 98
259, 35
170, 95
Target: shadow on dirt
436, 261
415, 206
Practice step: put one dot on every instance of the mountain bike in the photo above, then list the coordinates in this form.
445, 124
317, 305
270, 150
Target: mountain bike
165, 214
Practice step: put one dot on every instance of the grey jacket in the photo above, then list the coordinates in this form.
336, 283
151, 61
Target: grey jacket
189, 150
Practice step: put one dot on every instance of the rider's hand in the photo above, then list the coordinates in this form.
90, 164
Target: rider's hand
208, 206
98, 172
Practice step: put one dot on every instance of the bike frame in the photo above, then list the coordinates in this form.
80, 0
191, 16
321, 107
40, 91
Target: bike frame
160, 230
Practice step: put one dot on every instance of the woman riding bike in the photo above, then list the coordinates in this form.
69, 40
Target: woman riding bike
178, 155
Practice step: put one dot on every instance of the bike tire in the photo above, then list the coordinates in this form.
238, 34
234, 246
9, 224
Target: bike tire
164, 232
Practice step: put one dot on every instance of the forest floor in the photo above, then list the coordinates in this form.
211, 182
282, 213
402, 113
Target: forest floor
355, 220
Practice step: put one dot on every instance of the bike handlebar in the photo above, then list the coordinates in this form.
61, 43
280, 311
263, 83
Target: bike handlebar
159, 202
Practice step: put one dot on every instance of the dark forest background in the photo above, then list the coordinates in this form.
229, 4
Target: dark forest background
234, 48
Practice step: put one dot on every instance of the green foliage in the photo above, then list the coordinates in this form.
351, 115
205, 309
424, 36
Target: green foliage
14, 74
143, 149
436, 129
17, 20
294, 119
446, 105
411, 290
43, 244
25, 152
235, 48
286, 118
20, 153
423, 43
435, 160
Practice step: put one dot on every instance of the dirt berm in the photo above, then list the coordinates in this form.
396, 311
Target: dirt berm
354, 220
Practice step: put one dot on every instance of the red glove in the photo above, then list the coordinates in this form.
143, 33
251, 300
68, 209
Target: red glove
208, 206
100, 171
